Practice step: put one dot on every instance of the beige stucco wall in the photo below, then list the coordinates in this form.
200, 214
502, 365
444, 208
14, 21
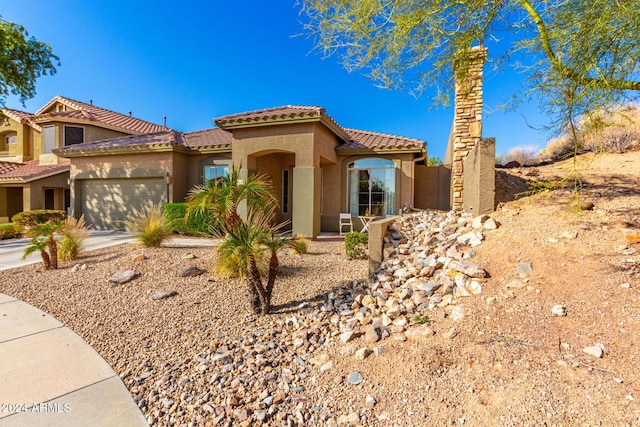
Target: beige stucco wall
21, 149
251, 143
10, 202
196, 163
432, 187
33, 192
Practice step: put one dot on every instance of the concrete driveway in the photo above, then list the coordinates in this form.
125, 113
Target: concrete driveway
11, 251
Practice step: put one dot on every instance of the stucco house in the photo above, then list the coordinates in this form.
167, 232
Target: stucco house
317, 168
31, 176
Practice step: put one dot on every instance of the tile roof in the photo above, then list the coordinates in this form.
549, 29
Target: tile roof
365, 139
20, 116
156, 139
29, 171
90, 112
287, 111
213, 137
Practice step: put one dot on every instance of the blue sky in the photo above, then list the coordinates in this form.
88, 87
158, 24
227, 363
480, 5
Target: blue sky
192, 61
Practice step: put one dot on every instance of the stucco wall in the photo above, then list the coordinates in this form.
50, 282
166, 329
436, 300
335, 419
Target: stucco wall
432, 187
250, 143
33, 192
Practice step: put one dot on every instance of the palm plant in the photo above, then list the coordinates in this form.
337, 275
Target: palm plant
43, 237
221, 198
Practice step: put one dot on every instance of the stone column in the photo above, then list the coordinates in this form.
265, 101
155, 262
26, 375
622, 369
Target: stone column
467, 125
306, 202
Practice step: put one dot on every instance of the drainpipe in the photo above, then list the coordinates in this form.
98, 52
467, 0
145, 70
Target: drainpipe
413, 176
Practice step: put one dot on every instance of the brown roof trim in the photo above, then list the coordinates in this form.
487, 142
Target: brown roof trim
21, 117
93, 114
31, 171
367, 140
287, 114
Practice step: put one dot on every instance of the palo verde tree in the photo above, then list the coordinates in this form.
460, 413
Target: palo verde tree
23, 60
578, 55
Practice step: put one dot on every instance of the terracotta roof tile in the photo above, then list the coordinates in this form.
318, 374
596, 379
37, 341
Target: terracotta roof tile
164, 138
29, 171
213, 137
365, 139
20, 116
270, 113
93, 113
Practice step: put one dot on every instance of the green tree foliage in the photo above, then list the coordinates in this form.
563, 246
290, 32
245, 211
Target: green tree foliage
576, 53
23, 60
435, 161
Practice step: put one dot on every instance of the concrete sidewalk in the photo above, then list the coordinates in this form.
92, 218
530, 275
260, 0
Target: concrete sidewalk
50, 377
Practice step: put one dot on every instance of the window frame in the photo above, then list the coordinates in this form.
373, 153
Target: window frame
351, 167
213, 166
64, 135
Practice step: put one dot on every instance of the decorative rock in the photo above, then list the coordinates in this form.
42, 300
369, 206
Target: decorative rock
363, 353
479, 221
594, 350
468, 268
139, 258
124, 276
370, 402
559, 310
191, 272
164, 294
372, 334
490, 224
420, 333
75, 268
457, 313
355, 378
379, 351
524, 269
345, 337
189, 256
450, 334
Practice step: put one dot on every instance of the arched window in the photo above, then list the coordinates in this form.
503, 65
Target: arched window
372, 187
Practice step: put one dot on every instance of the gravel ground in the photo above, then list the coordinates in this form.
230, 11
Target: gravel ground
162, 349
199, 358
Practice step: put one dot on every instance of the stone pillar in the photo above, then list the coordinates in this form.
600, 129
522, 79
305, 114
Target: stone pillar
306, 202
467, 125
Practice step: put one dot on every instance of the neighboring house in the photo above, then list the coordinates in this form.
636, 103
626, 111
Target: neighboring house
31, 177
317, 168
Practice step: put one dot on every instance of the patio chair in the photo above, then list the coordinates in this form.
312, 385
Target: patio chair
345, 219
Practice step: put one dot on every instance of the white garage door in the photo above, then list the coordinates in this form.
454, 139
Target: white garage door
107, 202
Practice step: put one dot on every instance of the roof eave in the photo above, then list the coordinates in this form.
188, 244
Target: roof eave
27, 179
88, 152
379, 150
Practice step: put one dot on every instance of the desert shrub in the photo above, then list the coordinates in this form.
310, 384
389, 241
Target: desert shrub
526, 156
198, 223
559, 148
29, 219
9, 231
355, 244
299, 245
74, 232
148, 225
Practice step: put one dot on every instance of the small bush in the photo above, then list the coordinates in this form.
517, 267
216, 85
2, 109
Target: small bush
299, 245
148, 225
9, 231
74, 232
197, 224
526, 156
355, 244
29, 219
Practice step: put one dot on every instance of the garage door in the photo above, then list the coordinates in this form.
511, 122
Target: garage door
107, 202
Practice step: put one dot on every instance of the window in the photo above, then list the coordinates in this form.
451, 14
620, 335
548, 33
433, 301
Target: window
213, 172
372, 185
285, 191
73, 135
10, 139
49, 135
